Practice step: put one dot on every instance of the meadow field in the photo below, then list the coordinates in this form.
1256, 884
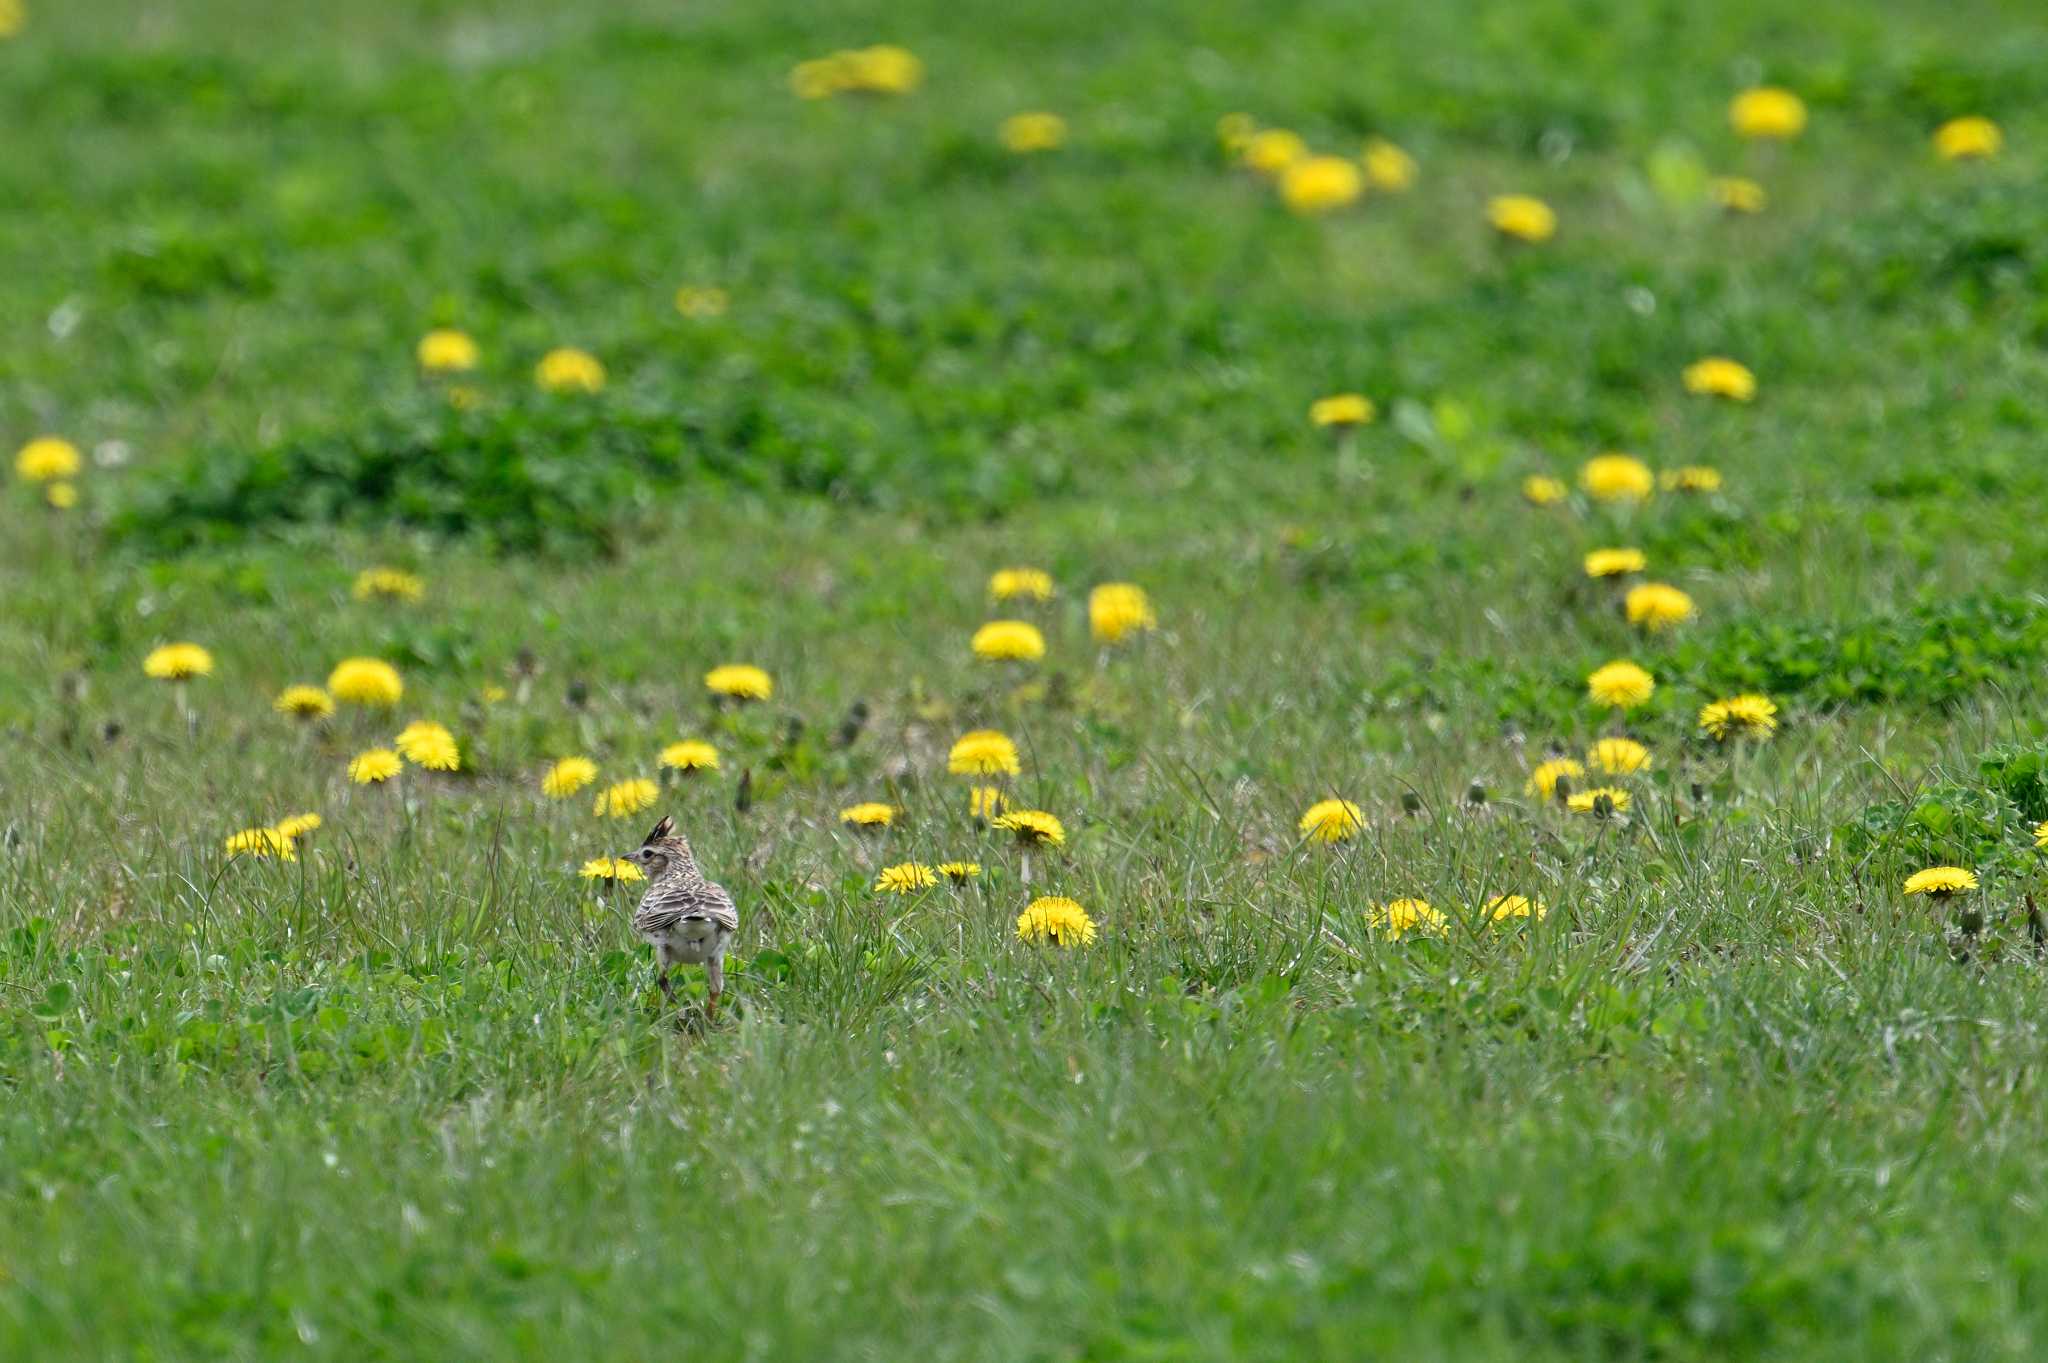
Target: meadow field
1533, 855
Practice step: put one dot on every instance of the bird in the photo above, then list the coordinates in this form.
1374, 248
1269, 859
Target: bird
688, 919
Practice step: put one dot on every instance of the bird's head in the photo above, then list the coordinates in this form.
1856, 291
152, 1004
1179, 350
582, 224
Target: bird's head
663, 848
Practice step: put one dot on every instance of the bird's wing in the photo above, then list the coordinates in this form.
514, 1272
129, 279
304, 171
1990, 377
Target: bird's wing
666, 906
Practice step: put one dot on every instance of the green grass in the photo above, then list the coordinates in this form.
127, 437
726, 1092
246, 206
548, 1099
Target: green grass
413, 1096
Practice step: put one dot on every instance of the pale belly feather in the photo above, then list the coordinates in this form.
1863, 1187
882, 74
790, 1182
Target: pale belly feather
691, 942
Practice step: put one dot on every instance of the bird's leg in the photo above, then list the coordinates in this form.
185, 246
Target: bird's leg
668, 991
714, 985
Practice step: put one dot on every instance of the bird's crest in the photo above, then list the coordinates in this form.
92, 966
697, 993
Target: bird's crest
664, 836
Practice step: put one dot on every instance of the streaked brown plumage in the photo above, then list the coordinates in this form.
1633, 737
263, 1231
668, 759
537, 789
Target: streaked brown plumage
688, 919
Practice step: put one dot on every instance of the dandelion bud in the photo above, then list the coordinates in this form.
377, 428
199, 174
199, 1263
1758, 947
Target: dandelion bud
851, 726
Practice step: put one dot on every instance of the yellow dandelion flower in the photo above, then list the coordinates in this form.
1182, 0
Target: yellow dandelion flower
298, 826
1736, 194
388, 584
365, 681
433, 749
178, 662
60, 496
611, 868
959, 872
1321, 184
1618, 757
1032, 827
1691, 478
1521, 217
1009, 641
1331, 821
702, 300
1117, 610
447, 351
260, 843
303, 702
886, 69
1602, 802
986, 802
1540, 489
1718, 376
820, 78
427, 744
1055, 919
1615, 562
1543, 780
739, 681
490, 693
1272, 150
869, 814
1969, 138
623, 799
373, 767
1020, 584
905, 878
1767, 113
1387, 166
1657, 606
13, 17
569, 370
1233, 131
567, 776
1342, 410
983, 752
1503, 907
417, 732
1398, 918
1623, 685
692, 754
1940, 882
1033, 132
2041, 834
1745, 716
48, 459
1617, 478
